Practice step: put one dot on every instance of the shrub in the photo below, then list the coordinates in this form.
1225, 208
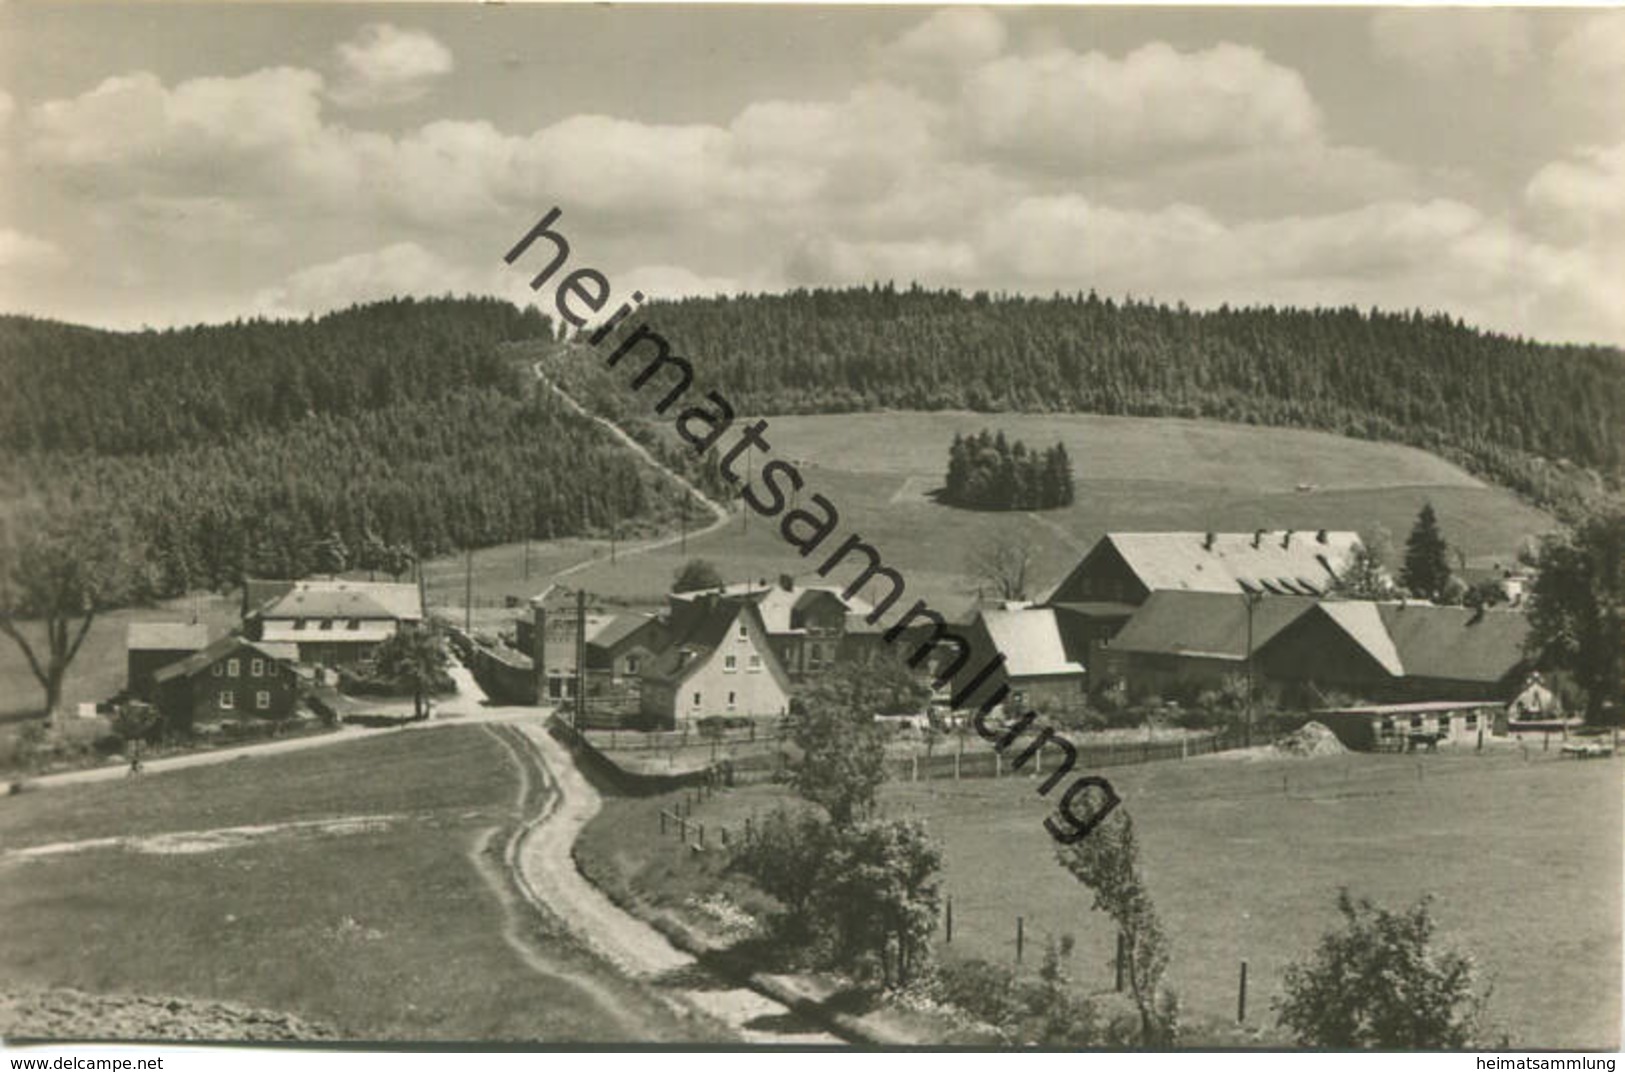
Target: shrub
1380, 982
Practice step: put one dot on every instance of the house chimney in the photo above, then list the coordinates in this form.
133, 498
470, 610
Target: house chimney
1258, 538
1286, 539
1208, 540
787, 582
1320, 537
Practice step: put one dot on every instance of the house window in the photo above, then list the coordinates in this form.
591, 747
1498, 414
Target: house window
730, 701
696, 699
355, 623
816, 659
257, 668
1472, 720
298, 623
743, 631
219, 669
755, 663
262, 700
730, 663
327, 623
233, 667
228, 699
1416, 722
631, 664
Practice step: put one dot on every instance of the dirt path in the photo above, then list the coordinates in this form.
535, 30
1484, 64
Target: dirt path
544, 867
717, 509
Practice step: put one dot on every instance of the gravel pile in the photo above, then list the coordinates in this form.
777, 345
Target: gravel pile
70, 1014
1310, 739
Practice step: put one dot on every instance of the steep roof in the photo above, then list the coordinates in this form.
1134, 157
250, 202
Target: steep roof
776, 602
1362, 621
166, 636
1030, 641
703, 631
1206, 624
347, 599
1283, 562
614, 630
1456, 643
206, 658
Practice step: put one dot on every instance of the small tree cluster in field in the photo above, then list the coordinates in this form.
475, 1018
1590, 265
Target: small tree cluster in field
862, 896
414, 659
988, 472
843, 754
1577, 610
1381, 982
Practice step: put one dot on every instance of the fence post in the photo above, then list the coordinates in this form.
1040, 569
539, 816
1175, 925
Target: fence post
1019, 937
914, 774
949, 940
662, 821
722, 832
682, 828
702, 834
1118, 963
748, 831
1038, 759
996, 765
956, 765
1241, 996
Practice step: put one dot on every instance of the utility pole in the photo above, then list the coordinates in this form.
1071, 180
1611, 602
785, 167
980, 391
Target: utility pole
581, 659
1252, 599
468, 592
527, 556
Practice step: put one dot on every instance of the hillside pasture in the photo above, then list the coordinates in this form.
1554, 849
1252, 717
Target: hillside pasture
1132, 474
1244, 858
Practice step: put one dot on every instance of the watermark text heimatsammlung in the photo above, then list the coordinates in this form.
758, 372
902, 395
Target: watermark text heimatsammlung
580, 297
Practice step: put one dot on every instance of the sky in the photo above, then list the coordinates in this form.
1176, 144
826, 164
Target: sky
169, 164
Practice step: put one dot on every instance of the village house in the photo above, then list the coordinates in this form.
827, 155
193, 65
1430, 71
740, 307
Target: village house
1123, 569
1039, 668
720, 662
233, 678
151, 646
332, 622
811, 627
1382, 652
622, 645
1179, 639
1411, 726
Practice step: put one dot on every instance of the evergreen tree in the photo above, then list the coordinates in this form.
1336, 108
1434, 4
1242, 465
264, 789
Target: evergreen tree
1426, 572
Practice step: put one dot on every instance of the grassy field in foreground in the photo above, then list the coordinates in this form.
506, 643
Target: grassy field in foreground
389, 934
1523, 858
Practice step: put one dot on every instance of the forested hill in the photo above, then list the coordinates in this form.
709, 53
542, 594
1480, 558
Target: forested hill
1499, 404
73, 388
267, 447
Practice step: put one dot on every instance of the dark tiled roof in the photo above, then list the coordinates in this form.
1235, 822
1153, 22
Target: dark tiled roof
1206, 624
1456, 643
206, 658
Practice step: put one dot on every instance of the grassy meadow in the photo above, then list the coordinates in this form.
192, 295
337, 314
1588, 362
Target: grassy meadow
406, 931
1244, 859
1132, 474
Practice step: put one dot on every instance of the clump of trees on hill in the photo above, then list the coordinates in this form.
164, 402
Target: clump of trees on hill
986, 471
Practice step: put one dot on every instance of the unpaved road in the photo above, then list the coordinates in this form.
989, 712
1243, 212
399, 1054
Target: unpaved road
721, 514
545, 869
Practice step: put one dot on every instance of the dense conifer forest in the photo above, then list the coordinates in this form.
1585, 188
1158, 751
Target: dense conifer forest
988, 472
251, 447
257, 447
1531, 416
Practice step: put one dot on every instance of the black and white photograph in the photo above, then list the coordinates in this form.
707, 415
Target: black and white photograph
781, 527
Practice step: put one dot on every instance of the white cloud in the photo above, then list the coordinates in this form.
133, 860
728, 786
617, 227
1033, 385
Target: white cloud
1447, 42
404, 268
1588, 66
1587, 191
23, 252
1063, 109
133, 120
952, 39
385, 64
